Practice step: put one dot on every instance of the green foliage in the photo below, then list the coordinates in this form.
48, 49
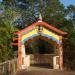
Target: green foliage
6, 29
5, 48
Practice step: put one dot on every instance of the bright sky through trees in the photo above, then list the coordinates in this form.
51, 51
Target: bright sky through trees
0, 0
68, 2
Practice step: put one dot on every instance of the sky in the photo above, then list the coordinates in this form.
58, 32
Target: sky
67, 2
0, 0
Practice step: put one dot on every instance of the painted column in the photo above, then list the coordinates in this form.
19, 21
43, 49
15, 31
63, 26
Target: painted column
61, 55
23, 56
21, 53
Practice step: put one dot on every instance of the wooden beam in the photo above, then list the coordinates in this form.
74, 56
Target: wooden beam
14, 44
14, 39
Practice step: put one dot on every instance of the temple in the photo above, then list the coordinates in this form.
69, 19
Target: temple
46, 32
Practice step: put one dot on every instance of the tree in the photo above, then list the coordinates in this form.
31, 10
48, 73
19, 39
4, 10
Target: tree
70, 44
6, 29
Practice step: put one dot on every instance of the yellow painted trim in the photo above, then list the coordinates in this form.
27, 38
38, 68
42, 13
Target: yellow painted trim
44, 31
30, 33
50, 33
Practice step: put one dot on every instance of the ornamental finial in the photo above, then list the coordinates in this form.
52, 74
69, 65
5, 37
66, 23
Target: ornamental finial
40, 17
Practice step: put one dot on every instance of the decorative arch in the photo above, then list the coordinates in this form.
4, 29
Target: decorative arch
46, 33
39, 28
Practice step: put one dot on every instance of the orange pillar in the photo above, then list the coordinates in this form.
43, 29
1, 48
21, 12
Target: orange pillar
61, 56
19, 52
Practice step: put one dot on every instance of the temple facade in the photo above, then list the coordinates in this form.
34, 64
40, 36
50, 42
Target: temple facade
44, 31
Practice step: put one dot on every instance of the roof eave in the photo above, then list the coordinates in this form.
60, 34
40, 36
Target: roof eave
44, 24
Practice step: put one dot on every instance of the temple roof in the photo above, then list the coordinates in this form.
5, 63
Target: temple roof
42, 23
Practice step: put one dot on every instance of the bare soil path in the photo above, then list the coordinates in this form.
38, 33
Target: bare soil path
43, 71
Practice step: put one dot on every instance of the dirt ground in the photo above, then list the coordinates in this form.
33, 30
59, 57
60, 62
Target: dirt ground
38, 71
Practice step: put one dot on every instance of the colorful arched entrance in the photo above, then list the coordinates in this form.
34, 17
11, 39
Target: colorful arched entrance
47, 32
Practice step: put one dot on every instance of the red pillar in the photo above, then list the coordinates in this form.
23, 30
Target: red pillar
19, 52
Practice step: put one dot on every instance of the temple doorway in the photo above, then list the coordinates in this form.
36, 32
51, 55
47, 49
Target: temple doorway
41, 52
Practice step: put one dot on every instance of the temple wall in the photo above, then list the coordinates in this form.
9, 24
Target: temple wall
42, 59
